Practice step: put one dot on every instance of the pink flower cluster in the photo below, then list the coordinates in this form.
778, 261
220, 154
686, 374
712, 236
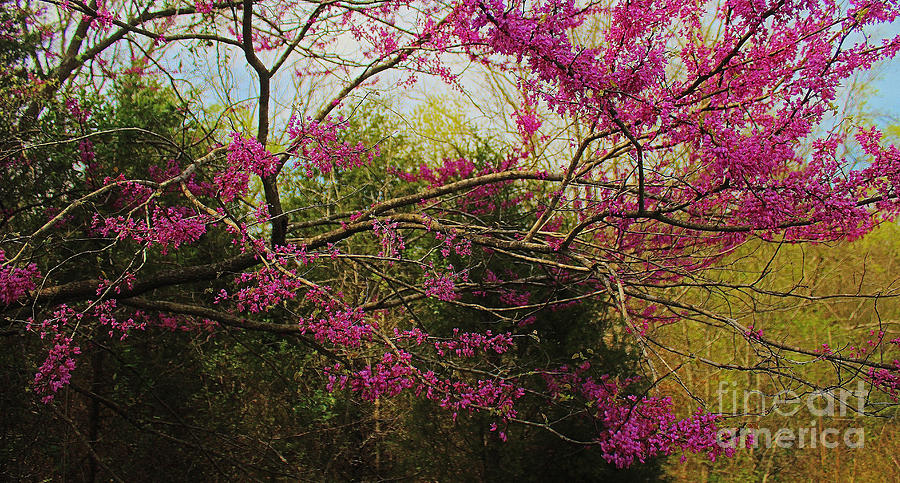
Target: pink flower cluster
269, 285
415, 334
263, 289
129, 194
86, 151
320, 147
103, 311
102, 19
450, 169
245, 155
887, 380
337, 323
441, 286
387, 378
527, 123
173, 323
635, 429
396, 373
389, 237
514, 298
52, 325
870, 345
467, 344
79, 113
497, 395
56, 371
753, 333
204, 6
461, 246
825, 349
16, 282
169, 227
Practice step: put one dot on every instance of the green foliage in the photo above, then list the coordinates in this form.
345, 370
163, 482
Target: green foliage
864, 266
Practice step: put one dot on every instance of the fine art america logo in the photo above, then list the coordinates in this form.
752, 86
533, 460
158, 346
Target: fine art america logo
832, 403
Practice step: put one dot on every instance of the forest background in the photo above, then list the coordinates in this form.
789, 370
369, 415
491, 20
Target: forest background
279, 373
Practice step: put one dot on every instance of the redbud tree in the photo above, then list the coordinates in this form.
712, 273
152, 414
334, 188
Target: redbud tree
691, 129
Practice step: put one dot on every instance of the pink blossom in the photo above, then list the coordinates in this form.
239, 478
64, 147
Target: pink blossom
440, 286
204, 6
887, 380
16, 282
466, 344
168, 227
56, 371
245, 155
320, 148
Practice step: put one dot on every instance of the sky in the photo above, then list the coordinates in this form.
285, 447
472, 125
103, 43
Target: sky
887, 97
885, 103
